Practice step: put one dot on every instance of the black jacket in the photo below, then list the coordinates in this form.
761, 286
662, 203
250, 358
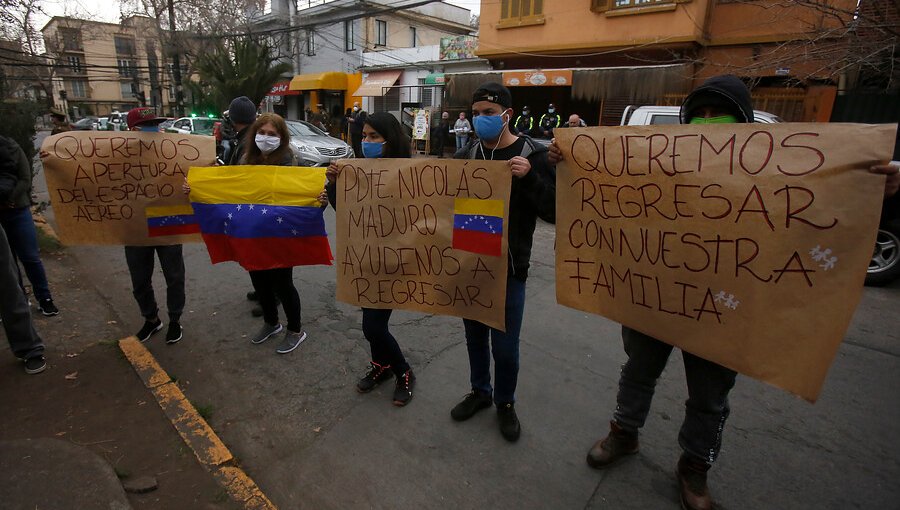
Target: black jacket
237, 147
531, 197
11, 161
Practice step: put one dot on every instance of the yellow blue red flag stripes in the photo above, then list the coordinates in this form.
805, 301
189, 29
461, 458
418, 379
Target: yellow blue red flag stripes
478, 226
262, 217
171, 220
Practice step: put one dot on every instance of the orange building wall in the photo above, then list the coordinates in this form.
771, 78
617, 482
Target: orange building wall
571, 25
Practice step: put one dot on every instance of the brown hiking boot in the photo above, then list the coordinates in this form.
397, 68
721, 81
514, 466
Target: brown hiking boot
612, 448
691, 476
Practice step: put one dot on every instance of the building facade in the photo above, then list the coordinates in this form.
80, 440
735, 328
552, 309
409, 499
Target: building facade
332, 42
99, 68
654, 51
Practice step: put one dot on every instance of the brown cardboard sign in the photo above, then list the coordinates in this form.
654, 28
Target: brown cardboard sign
745, 244
424, 234
111, 187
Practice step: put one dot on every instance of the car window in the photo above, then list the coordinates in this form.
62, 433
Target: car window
664, 119
203, 126
301, 129
183, 124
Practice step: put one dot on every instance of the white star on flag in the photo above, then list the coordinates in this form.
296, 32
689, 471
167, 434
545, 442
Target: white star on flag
229, 216
239, 207
279, 220
250, 207
264, 211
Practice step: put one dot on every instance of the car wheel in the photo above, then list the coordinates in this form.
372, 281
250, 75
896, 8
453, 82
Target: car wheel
885, 264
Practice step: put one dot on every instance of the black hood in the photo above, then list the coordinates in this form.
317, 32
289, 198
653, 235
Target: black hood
727, 91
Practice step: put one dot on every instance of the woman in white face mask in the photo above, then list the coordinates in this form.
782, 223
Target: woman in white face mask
268, 143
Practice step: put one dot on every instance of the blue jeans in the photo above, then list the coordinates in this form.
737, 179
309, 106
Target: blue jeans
708, 385
461, 141
482, 341
20, 230
385, 349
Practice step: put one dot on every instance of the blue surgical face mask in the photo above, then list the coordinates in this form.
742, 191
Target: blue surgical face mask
151, 128
489, 127
372, 149
551, 110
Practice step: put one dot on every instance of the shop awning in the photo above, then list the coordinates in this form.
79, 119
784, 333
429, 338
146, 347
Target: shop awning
373, 83
434, 79
320, 81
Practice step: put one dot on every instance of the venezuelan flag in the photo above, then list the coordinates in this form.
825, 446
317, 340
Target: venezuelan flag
262, 217
170, 220
478, 226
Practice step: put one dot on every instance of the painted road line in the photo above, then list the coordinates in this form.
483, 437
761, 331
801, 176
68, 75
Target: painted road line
193, 429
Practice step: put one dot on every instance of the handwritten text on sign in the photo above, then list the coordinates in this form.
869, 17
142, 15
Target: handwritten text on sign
426, 235
121, 187
744, 244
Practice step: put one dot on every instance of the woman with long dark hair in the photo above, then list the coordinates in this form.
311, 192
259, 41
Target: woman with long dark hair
268, 143
382, 138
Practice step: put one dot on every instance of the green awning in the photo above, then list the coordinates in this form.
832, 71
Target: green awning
434, 79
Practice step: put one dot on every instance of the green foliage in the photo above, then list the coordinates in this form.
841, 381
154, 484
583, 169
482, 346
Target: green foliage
246, 68
18, 123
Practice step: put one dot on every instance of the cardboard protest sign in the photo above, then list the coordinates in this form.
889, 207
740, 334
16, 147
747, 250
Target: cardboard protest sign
745, 244
424, 234
123, 187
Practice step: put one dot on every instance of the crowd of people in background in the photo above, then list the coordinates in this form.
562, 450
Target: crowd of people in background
494, 133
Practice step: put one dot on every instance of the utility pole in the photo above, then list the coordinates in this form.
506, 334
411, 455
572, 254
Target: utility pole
176, 63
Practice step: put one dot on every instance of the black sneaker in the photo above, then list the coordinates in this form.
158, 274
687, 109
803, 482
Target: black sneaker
251, 296
403, 390
47, 307
150, 328
474, 402
174, 334
35, 365
376, 375
509, 422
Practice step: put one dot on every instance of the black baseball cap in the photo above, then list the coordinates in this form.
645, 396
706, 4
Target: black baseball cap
493, 92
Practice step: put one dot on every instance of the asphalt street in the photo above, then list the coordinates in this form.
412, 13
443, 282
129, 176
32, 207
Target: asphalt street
303, 433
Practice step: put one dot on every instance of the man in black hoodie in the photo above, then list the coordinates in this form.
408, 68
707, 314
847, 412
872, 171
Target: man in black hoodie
23, 339
533, 195
720, 100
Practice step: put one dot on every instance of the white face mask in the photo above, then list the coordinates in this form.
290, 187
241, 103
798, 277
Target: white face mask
267, 144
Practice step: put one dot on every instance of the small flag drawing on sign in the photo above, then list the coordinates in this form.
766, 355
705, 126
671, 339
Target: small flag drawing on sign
478, 226
171, 220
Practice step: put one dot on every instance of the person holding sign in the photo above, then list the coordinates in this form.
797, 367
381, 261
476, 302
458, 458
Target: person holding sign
382, 138
533, 195
720, 100
140, 260
269, 143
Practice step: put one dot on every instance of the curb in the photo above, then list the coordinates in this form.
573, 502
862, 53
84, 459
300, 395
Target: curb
193, 429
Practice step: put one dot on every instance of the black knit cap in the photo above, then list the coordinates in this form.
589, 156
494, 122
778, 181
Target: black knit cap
493, 92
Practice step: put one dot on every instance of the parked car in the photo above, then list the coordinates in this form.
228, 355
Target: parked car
885, 264
647, 115
315, 147
116, 121
85, 124
193, 126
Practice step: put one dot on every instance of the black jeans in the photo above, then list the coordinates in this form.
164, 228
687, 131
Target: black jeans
23, 339
708, 385
278, 282
385, 349
141, 264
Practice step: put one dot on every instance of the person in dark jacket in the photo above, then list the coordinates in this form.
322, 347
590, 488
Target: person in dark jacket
549, 121
24, 341
533, 195
720, 100
382, 138
17, 220
356, 121
242, 113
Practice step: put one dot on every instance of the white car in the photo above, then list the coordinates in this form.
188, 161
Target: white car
647, 115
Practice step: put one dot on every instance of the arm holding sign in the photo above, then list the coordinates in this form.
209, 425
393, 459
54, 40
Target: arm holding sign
892, 183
